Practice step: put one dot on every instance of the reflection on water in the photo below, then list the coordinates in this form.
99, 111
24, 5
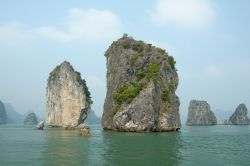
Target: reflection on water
210, 145
65, 147
216, 145
142, 148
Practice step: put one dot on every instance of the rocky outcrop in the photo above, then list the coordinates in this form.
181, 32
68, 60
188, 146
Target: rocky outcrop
82, 126
31, 119
141, 85
3, 115
239, 117
84, 133
199, 113
67, 97
40, 125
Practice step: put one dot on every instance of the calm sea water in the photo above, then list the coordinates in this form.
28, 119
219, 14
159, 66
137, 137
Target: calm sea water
201, 146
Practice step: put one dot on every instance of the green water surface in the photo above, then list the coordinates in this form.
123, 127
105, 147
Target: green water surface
213, 145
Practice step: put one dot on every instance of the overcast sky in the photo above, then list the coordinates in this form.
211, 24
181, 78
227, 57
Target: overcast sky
209, 39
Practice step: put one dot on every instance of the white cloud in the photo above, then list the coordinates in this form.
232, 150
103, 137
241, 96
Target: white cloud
187, 13
14, 34
85, 25
55, 34
89, 25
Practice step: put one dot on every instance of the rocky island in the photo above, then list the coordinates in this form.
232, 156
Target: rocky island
141, 84
239, 117
199, 113
3, 114
31, 119
92, 118
67, 97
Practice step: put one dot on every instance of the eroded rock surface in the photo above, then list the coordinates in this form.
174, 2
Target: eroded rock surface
199, 113
68, 97
239, 117
141, 85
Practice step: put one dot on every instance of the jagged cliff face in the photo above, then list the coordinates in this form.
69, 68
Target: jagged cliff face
31, 119
199, 113
3, 115
239, 117
68, 98
141, 85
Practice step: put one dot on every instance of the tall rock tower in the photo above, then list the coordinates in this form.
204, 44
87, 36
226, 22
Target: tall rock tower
67, 97
141, 85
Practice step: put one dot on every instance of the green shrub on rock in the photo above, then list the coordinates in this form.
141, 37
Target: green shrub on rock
171, 62
153, 70
125, 44
140, 75
162, 51
115, 108
126, 94
165, 95
147, 72
138, 47
83, 82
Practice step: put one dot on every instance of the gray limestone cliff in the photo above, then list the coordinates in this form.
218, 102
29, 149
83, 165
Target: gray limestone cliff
67, 97
3, 115
199, 113
239, 117
141, 84
31, 119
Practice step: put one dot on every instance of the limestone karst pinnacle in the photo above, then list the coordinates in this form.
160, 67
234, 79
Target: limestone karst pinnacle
199, 113
31, 119
67, 97
141, 84
239, 117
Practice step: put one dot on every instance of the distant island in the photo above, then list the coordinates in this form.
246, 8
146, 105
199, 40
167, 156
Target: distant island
199, 113
239, 117
11, 115
31, 119
92, 118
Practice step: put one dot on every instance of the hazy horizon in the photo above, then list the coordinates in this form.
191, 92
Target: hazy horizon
210, 41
